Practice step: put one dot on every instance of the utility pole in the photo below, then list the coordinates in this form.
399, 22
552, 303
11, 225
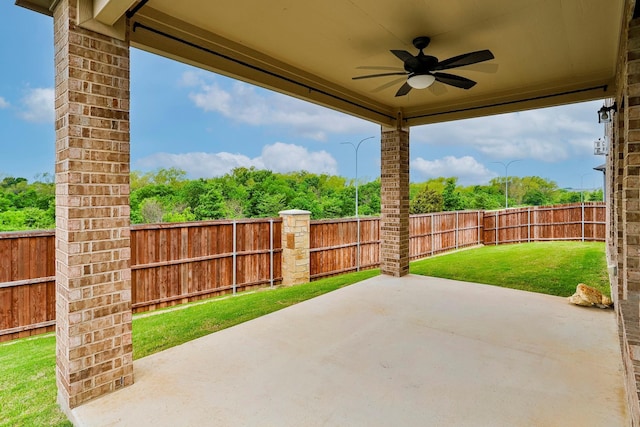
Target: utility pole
506, 180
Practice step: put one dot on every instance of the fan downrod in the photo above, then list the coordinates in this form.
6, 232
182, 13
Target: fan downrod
421, 42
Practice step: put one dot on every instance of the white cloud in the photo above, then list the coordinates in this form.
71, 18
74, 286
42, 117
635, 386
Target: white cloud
467, 169
244, 103
550, 134
3, 103
278, 157
282, 157
191, 79
199, 164
38, 105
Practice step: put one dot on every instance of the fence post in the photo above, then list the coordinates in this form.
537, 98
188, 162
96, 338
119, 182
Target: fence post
433, 240
528, 225
271, 253
496, 225
235, 261
478, 222
358, 245
296, 226
582, 220
457, 229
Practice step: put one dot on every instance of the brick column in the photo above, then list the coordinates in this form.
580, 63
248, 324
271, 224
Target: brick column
624, 204
614, 204
93, 276
295, 246
631, 164
394, 221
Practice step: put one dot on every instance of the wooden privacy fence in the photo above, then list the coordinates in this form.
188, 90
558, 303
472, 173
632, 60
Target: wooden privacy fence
176, 263
434, 233
170, 264
577, 221
334, 248
27, 284
180, 262
334, 245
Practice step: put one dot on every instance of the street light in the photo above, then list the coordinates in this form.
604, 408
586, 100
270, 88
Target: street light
506, 180
356, 148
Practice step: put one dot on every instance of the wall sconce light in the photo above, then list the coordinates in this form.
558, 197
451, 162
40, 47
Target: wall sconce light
604, 114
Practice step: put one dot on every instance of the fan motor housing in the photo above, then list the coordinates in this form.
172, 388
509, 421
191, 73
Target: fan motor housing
421, 64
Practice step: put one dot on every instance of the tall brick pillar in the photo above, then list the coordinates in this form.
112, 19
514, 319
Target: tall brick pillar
624, 206
93, 276
296, 226
394, 221
631, 164
614, 203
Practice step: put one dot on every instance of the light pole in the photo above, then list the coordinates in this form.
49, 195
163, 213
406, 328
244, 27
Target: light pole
582, 185
356, 148
506, 180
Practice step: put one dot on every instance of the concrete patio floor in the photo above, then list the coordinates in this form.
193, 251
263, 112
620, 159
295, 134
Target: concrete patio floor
411, 351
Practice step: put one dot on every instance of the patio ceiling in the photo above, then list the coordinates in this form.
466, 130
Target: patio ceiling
547, 52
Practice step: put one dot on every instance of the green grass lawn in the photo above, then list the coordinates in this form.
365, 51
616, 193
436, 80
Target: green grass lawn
553, 268
27, 366
159, 332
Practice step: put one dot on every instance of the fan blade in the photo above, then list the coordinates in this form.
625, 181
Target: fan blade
379, 75
375, 67
464, 59
453, 80
387, 85
404, 89
402, 54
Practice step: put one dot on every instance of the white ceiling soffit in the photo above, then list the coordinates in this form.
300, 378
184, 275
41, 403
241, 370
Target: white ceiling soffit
547, 52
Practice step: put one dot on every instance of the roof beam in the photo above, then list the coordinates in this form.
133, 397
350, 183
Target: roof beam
110, 11
40, 6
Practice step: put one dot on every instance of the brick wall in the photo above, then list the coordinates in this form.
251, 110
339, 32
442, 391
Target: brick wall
394, 181
623, 176
93, 294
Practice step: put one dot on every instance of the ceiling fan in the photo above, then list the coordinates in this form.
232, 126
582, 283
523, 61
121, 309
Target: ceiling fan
423, 70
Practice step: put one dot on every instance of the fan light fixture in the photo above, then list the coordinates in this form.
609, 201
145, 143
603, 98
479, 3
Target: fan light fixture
421, 81
604, 113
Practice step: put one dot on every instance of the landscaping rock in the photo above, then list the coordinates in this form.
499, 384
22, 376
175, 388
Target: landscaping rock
588, 297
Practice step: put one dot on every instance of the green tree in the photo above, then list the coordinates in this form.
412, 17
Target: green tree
270, 205
535, 197
451, 200
151, 211
426, 201
211, 205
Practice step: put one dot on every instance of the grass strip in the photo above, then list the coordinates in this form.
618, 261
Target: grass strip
27, 366
553, 268
156, 333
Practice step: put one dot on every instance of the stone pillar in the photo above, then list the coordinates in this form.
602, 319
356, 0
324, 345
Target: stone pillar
295, 246
394, 221
93, 275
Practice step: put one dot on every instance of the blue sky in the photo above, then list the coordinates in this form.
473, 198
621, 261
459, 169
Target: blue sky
208, 124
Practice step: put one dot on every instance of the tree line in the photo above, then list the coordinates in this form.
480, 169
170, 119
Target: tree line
167, 195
